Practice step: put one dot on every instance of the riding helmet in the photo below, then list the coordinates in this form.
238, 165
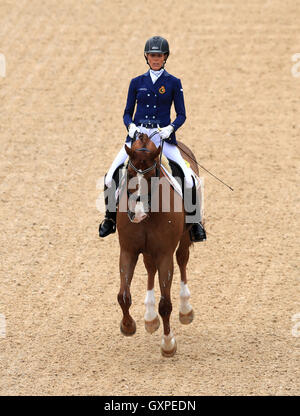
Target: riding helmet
157, 44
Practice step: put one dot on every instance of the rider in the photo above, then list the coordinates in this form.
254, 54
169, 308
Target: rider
153, 92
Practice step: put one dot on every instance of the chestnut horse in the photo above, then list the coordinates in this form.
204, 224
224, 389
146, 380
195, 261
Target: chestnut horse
156, 235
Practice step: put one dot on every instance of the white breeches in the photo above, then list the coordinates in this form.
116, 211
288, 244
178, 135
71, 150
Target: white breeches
169, 150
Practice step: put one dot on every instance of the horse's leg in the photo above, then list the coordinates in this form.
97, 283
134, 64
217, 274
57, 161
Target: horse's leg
151, 318
165, 272
186, 313
127, 264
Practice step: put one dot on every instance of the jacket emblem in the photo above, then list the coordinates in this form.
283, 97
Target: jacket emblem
162, 90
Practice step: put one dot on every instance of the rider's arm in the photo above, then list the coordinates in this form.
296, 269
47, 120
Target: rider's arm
179, 106
130, 104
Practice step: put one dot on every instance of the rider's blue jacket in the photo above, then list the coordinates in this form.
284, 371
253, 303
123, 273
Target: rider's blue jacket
154, 102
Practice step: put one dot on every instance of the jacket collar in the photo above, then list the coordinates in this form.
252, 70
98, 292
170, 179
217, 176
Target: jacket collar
155, 87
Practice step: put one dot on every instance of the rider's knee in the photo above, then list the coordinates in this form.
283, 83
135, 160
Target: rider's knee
108, 180
189, 183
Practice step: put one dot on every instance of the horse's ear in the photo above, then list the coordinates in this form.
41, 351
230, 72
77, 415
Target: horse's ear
129, 151
157, 152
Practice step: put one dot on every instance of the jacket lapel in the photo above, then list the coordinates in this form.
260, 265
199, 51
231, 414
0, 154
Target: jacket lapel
149, 82
161, 82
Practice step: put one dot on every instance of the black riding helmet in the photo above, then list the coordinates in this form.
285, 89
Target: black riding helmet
156, 44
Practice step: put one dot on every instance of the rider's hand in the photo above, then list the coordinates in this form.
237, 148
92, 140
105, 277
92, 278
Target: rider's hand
132, 129
165, 132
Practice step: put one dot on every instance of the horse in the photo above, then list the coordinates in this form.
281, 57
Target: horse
155, 235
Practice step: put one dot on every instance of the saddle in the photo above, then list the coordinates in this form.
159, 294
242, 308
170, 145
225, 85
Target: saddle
177, 174
171, 169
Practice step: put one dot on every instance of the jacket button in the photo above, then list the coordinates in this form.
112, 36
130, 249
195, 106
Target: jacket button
147, 105
149, 95
154, 106
153, 116
146, 116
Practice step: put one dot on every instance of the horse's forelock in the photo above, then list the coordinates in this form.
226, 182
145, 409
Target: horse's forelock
143, 143
144, 138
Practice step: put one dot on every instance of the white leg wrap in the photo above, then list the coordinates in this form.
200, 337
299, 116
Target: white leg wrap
168, 342
150, 313
185, 295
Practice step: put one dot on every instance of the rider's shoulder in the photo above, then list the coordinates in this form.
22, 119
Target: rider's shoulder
140, 76
172, 77
137, 79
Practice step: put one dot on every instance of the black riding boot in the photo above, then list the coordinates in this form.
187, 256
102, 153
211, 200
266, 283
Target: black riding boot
197, 232
108, 225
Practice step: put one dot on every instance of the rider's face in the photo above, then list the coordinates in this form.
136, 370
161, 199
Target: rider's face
156, 60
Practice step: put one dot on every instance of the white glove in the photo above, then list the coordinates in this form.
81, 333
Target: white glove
165, 132
132, 129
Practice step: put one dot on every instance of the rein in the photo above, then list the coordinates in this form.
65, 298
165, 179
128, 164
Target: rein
143, 149
131, 214
142, 172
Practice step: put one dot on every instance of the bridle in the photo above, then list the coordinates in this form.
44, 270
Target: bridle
144, 149
141, 172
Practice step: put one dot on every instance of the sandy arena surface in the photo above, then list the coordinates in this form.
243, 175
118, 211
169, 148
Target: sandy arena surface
68, 67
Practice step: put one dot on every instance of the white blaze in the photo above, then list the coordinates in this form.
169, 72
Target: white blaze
139, 207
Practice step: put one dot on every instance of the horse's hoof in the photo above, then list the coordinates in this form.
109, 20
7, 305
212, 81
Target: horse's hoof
169, 353
152, 326
129, 330
186, 319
